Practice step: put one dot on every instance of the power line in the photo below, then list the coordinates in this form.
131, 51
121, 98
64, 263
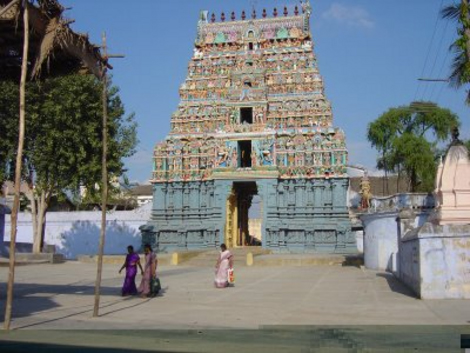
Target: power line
429, 49
444, 63
438, 55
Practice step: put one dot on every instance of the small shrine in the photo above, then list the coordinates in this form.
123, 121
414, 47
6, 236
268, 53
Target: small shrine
433, 257
453, 185
253, 122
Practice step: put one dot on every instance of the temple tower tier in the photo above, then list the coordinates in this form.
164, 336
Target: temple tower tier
252, 157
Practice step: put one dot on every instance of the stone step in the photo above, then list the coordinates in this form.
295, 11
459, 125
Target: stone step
4, 262
163, 259
255, 250
39, 258
209, 258
211, 262
309, 260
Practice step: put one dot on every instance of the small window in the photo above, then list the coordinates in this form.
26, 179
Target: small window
246, 115
250, 46
244, 154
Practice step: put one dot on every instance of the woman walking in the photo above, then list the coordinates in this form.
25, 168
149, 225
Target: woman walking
131, 263
149, 272
224, 263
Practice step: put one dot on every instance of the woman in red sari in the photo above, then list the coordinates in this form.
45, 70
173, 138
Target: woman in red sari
150, 272
224, 262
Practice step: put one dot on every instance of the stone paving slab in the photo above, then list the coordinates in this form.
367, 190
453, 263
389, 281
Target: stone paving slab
60, 297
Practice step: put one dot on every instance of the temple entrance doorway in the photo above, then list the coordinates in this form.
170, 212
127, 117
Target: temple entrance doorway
244, 216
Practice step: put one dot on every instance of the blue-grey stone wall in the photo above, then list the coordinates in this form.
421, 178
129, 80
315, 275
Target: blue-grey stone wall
299, 215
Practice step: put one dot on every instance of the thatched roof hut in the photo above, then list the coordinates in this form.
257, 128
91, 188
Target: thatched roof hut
54, 48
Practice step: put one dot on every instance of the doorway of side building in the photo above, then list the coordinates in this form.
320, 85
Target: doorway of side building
244, 216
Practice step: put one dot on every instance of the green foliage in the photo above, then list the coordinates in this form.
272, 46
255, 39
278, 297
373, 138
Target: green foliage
459, 12
63, 132
8, 126
407, 137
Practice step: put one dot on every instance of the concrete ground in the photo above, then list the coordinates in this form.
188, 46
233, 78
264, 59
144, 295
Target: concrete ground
275, 305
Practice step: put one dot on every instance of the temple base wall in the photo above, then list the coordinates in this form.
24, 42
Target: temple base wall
298, 215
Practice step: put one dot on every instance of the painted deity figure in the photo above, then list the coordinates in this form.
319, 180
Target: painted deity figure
266, 158
245, 91
254, 157
234, 158
365, 191
222, 157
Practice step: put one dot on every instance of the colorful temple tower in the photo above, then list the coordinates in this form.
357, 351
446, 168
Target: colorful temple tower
253, 121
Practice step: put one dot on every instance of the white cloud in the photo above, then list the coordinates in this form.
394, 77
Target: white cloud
349, 15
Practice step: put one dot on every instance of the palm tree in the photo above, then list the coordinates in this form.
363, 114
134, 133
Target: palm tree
460, 74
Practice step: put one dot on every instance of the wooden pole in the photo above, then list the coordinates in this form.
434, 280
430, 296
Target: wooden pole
19, 159
104, 180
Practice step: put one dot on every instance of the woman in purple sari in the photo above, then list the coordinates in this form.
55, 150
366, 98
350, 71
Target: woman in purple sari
131, 263
149, 273
224, 262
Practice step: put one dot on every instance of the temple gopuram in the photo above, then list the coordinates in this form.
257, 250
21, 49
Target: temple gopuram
252, 122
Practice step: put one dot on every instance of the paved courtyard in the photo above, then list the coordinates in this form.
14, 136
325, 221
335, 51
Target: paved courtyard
60, 297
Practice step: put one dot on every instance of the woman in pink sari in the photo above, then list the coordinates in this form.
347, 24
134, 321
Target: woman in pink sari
150, 272
224, 262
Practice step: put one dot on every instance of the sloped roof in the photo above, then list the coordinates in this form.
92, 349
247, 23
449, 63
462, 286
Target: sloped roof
142, 190
54, 48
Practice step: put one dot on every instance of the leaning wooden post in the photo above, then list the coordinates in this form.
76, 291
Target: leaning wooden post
19, 159
104, 172
104, 179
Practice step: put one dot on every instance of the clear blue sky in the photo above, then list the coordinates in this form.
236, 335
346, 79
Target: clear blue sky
370, 54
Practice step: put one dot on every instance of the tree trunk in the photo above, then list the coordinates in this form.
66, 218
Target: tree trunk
413, 181
34, 218
41, 209
19, 159
465, 19
466, 25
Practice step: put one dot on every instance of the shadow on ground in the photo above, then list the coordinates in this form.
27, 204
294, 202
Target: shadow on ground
429, 339
27, 347
396, 286
30, 298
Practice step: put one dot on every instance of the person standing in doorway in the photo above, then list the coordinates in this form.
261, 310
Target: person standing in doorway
131, 263
224, 263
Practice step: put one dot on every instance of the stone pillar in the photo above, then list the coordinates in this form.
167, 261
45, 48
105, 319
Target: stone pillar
405, 223
405, 220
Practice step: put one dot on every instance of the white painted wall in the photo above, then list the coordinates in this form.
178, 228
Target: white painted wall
435, 261
381, 237
77, 233
380, 240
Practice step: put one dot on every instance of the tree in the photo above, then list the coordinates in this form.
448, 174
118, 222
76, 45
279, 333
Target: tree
407, 139
63, 140
8, 127
460, 74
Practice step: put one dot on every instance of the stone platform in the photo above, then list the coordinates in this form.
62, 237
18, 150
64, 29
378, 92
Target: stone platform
22, 259
247, 256
270, 309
